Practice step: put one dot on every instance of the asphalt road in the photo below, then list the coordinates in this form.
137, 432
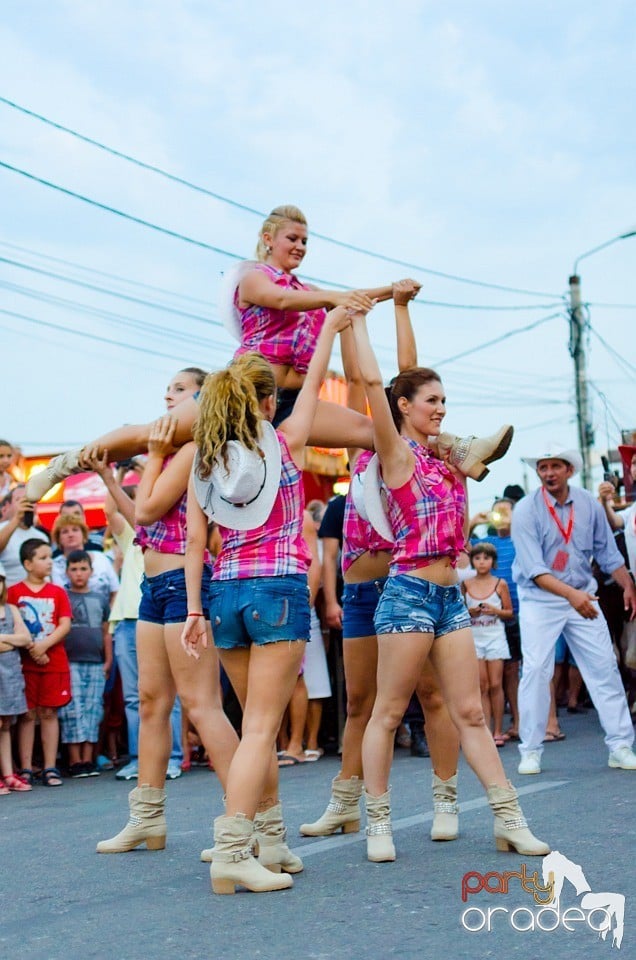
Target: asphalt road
61, 901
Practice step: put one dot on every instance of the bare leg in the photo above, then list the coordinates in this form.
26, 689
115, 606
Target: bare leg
495, 695
575, 682
156, 698
26, 739
441, 733
511, 688
297, 719
312, 726
336, 426
552, 725
6, 760
455, 661
360, 668
50, 734
199, 687
130, 440
272, 671
401, 658
483, 689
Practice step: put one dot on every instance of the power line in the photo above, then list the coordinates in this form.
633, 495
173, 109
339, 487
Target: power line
504, 336
120, 213
625, 364
191, 340
241, 206
489, 307
104, 273
88, 336
111, 293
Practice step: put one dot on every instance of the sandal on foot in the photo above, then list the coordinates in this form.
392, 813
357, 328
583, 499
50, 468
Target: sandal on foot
553, 737
4, 790
287, 760
27, 775
499, 742
15, 782
51, 777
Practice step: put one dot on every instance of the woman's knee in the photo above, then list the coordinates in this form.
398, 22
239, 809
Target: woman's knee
359, 704
470, 714
154, 704
389, 715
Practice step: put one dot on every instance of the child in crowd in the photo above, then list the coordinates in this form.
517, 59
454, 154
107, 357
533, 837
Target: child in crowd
13, 635
46, 611
489, 604
89, 648
6, 458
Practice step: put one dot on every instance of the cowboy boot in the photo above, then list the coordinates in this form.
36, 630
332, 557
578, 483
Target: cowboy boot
57, 469
511, 828
471, 454
146, 824
342, 813
380, 846
233, 864
270, 833
445, 810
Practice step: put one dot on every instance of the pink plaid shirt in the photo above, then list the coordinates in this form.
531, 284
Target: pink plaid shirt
284, 337
358, 535
277, 547
167, 535
426, 514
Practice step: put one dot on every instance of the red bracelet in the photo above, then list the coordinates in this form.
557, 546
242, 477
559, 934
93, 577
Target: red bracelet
196, 614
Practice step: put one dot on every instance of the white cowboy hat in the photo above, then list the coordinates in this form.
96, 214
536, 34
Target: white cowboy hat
356, 489
241, 495
375, 501
228, 311
556, 451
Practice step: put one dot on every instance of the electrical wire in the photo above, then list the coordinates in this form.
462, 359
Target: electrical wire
622, 362
495, 340
89, 336
241, 206
181, 336
103, 273
112, 293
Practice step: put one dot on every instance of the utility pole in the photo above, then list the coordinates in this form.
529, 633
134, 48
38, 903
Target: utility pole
577, 352
578, 327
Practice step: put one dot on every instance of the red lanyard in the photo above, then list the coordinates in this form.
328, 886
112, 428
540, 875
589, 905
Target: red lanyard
566, 534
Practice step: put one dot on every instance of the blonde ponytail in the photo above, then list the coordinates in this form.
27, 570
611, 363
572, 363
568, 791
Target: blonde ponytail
229, 407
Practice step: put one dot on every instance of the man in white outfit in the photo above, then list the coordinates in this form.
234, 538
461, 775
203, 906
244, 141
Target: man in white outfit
556, 530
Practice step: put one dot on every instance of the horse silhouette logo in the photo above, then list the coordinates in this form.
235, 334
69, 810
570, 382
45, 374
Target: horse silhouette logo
557, 869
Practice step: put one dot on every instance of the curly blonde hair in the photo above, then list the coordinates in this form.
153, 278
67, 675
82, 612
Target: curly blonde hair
274, 222
229, 407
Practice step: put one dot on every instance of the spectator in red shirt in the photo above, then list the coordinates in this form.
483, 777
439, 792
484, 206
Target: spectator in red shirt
46, 611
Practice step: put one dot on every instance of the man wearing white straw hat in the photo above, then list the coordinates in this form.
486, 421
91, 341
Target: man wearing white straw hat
556, 530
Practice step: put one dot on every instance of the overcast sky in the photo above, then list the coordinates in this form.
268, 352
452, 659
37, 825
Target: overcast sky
491, 141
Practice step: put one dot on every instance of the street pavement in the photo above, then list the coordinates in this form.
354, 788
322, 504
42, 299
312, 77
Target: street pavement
61, 901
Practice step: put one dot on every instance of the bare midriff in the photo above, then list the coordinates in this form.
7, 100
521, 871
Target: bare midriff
440, 572
286, 377
156, 563
369, 566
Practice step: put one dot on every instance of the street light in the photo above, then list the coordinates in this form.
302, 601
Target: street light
578, 324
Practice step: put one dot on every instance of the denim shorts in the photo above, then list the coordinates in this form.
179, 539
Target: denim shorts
359, 603
164, 598
411, 605
259, 610
285, 400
